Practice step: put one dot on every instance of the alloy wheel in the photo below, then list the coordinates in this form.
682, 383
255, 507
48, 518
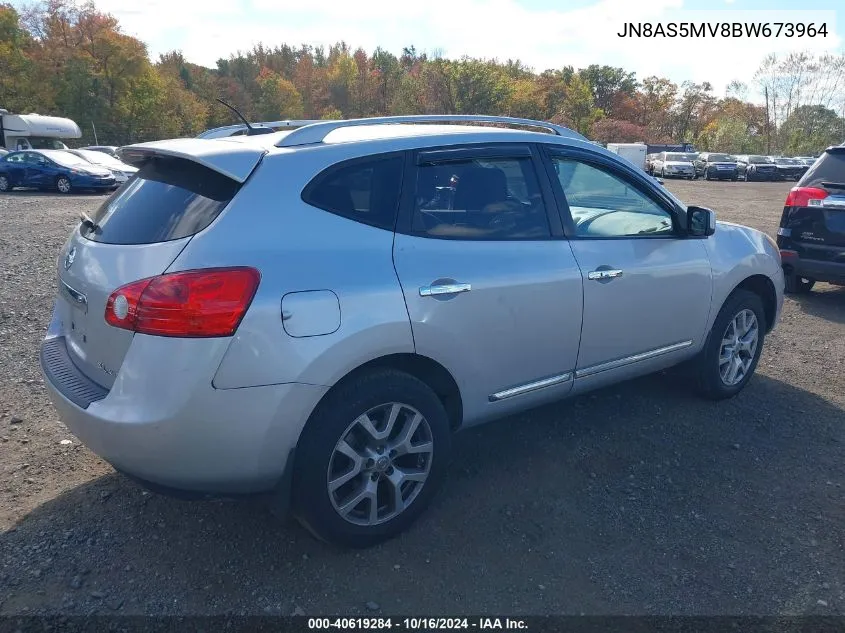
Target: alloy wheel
63, 185
739, 346
380, 464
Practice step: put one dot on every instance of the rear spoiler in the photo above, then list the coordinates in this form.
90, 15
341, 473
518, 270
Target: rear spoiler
233, 160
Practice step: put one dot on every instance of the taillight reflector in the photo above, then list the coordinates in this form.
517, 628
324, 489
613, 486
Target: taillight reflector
801, 196
194, 303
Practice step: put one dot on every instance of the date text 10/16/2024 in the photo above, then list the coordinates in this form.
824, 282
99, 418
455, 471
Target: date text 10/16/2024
412, 624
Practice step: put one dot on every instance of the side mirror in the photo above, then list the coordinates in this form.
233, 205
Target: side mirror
701, 222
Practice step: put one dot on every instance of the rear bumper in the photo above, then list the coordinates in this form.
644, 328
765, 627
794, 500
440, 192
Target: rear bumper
163, 423
816, 269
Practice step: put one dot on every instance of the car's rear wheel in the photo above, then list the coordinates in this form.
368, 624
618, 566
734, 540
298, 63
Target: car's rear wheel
733, 347
370, 458
63, 184
797, 285
4, 184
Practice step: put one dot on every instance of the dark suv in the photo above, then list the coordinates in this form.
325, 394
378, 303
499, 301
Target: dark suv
811, 236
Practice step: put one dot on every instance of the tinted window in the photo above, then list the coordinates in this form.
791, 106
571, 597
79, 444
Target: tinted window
170, 198
362, 190
602, 204
829, 168
484, 198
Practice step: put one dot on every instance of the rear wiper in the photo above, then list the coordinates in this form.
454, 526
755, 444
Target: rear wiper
88, 222
834, 185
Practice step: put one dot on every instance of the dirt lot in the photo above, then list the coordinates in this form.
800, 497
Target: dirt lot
639, 499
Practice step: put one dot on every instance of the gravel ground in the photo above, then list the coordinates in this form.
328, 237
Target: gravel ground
638, 499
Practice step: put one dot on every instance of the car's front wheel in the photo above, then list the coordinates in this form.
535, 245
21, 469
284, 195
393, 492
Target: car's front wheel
370, 458
63, 184
733, 347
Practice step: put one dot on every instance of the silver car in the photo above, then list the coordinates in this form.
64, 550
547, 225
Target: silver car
313, 313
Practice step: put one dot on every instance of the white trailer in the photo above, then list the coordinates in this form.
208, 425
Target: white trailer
34, 131
633, 152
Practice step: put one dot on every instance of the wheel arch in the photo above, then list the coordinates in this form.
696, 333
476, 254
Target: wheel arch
763, 287
426, 369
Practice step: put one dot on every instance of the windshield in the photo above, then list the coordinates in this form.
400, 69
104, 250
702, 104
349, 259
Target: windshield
721, 158
66, 158
678, 158
757, 160
786, 161
99, 158
41, 142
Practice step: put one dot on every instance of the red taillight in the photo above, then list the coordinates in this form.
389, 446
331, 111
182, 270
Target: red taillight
195, 303
801, 196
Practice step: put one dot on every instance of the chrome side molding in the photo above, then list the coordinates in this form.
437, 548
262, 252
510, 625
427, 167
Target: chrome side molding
531, 386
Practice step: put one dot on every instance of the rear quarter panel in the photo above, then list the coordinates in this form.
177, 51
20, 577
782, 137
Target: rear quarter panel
299, 248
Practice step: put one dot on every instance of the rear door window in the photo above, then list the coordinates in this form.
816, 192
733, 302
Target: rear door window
170, 198
365, 190
480, 199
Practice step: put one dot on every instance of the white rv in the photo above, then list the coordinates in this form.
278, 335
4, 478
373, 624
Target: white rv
33, 131
633, 152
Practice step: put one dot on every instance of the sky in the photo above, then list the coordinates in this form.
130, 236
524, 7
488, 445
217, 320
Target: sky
541, 33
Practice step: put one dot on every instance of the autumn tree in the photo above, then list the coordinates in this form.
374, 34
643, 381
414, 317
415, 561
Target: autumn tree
278, 97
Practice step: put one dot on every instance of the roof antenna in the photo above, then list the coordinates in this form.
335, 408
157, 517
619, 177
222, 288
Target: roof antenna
250, 131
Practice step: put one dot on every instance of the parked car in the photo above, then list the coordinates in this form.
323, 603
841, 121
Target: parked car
120, 170
715, 166
52, 169
314, 312
811, 236
807, 160
673, 164
754, 167
110, 150
789, 168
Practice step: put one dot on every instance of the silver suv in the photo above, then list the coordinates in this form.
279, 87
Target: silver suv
313, 313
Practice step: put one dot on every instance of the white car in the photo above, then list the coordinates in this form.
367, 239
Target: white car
122, 172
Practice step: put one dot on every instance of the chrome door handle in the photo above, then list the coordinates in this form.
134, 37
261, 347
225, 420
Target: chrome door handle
444, 289
598, 275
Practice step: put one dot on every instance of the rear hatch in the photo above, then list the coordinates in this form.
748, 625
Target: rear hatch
813, 221
137, 233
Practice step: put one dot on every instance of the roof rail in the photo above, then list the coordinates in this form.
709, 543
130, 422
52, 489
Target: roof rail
317, 132
227, 130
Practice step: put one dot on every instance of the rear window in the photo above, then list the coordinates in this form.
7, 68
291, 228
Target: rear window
829, 168
169, 198
365, 190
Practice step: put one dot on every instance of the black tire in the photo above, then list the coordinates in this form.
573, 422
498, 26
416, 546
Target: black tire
63, 185
709, 383
311, 502
797, 285
706, 175
5, 185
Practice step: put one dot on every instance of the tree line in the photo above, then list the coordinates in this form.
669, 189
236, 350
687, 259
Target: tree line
68, 59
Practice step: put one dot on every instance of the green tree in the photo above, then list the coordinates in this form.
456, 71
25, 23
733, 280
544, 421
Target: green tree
279, 98
579, 110
811, 128
606, 82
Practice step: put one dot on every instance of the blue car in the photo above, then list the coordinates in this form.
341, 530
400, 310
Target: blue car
52, 169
